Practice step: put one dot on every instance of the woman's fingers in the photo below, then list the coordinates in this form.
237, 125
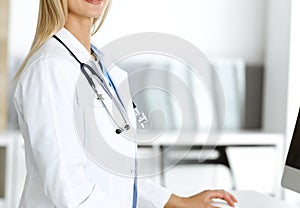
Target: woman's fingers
205, 199
230, 199
233, 197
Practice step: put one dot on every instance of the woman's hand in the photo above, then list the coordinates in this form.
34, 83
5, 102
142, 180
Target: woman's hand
201, 200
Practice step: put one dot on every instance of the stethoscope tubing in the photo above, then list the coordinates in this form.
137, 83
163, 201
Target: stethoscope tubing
104, 86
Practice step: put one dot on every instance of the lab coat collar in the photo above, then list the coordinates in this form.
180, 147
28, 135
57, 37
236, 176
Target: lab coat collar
74, 45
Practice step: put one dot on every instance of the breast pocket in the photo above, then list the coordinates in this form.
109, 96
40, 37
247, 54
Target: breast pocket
98, 115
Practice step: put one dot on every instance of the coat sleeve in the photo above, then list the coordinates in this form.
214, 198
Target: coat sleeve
44, 100
151, 195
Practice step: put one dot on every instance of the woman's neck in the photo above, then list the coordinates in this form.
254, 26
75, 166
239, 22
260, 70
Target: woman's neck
81, 29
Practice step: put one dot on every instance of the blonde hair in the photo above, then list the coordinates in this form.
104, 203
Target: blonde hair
51, 18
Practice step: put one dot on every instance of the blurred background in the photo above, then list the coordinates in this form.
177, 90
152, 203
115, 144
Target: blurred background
253, 47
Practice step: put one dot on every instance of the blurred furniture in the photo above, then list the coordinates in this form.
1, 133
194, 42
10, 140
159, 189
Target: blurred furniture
177, 97
250, 199
180, 90
218, 157
190, 149
7, 148
232, 75
12, 172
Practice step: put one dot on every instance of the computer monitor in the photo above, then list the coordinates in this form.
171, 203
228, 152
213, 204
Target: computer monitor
291, 175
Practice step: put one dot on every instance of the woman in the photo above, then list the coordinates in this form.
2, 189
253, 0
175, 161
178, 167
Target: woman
60, 172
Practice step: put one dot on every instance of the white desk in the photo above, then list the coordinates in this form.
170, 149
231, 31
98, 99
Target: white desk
251, 199
239, 138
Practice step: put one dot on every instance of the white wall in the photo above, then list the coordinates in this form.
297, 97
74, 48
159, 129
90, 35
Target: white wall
227, 28
230, 28
22, 23
294, 70
294, 85
276, 65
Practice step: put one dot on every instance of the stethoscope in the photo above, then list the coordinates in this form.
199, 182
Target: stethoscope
141, 118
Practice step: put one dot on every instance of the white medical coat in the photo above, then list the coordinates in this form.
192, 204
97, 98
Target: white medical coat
53, 121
